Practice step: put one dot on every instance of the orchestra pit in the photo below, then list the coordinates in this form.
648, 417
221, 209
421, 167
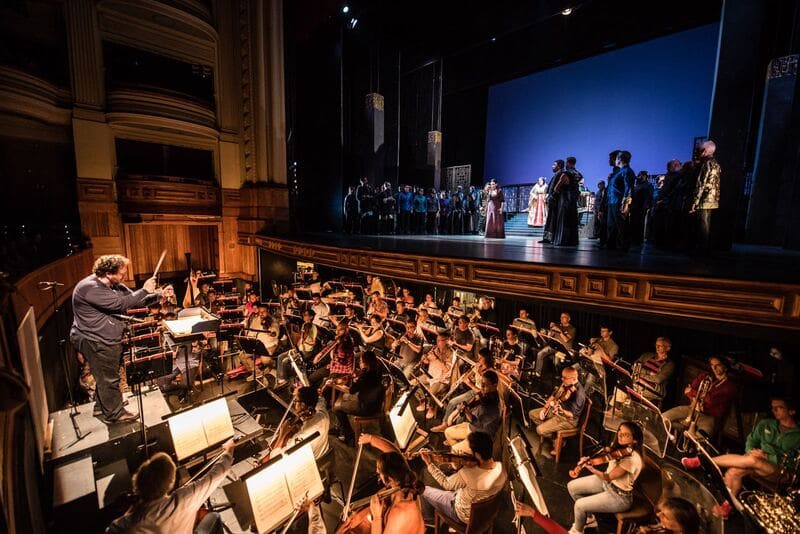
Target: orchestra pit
276, 266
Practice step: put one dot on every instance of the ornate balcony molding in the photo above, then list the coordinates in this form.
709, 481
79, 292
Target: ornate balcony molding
722, 300
160, 104
138, 196
28, 96
160, 28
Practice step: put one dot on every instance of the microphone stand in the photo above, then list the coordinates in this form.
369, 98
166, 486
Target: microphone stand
62, 349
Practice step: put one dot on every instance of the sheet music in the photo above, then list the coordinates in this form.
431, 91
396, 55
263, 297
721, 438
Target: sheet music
188, 435
200, 428
269, 496
404, 425
182, 326
302, 475
527, 476
217, 422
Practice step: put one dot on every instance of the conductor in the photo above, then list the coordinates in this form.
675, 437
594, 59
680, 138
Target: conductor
97, 334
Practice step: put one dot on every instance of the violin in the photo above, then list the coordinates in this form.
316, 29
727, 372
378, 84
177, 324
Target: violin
464, 407
445, 457
285, 433
561, 394
359, 521
603, 457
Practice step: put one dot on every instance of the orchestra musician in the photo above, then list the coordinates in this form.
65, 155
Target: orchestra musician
656, 370
342, 358
169, 302
561, 411
486, 312
770, 443
372, 334
608, 491
375, 285
169, 384
512, 354
437, 377
364, 398
482, 414
407, 297
265, 329
429, 304
321, 309
312, 416
306, 345
400, 313
563, 332
377, 306
605, 344
717, 400
675, 516
463, 338
348, 317
453, 312
250, 305
97, 334
409, 346
473, 380
157, 510
469, 484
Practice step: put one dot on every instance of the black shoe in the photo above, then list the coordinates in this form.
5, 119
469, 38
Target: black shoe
546, 241
126, 417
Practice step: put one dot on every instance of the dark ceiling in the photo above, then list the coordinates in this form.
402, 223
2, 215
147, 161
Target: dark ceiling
487, 42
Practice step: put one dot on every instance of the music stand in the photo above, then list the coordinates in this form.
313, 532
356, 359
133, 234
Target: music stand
142, 370
640, 410
395, 372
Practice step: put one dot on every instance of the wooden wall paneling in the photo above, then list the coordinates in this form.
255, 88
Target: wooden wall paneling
146, 241
727, 301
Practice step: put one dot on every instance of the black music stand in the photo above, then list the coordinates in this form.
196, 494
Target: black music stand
140, 371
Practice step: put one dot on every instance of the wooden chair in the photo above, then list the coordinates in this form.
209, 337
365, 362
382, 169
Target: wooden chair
361, 421
647, 491
579, 431
481, 517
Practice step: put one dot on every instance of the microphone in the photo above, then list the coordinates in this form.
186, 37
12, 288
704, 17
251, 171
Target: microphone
127, 318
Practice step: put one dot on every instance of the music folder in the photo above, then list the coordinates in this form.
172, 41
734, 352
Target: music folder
402, 420
267, 496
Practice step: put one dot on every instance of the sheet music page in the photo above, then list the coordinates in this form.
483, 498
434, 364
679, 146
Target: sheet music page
187, 433
302, 474
269, 497
405, 424
216, 419
182, 326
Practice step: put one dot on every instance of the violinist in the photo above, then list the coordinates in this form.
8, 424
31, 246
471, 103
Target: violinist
473, 380
469, 484
312, 416
342, 358
608, 491
563, 332
159, 511
481, 415
561, 411
395, 509
437, 377
364, 398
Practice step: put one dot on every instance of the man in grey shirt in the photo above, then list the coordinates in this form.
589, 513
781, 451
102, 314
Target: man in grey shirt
97, 334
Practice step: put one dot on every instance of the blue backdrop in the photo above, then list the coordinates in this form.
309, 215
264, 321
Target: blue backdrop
651, 99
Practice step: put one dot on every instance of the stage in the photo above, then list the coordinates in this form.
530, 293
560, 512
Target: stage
743, 262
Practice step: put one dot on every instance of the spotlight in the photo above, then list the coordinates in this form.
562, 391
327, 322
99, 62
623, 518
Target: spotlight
345, 9
353, 23
493, 39
567, 11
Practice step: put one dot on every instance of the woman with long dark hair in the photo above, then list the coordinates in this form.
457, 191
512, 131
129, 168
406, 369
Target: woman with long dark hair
609, 491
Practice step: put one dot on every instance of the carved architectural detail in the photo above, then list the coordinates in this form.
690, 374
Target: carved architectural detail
720, 300
148, 196
160, 104
84, 48
248, 109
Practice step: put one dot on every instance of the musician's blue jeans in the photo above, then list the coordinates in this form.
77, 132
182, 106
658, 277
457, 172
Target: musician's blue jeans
456, 401
441, 500
592, 495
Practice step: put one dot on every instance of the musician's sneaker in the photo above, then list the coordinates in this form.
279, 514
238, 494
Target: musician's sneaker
438, 428
421, 407
691, 462
430, 414
591, 521
722, 510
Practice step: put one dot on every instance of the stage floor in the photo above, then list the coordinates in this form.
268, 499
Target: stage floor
743, 262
